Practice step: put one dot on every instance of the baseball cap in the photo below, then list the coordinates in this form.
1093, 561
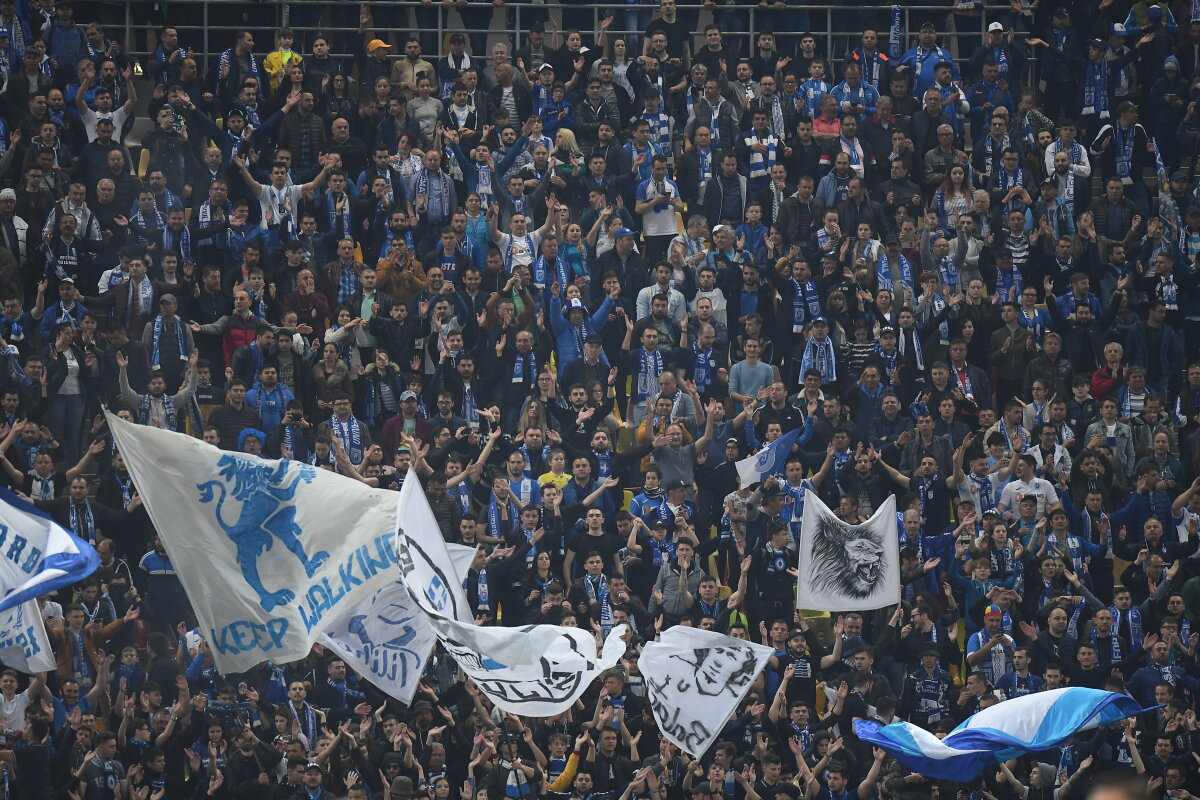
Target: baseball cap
593, 338
8, 194
928, 26
377, 44
888, 330
67, 279
575, 304
1119, 29
408, 394
991, 512
1154, 12
717, 229
313, 765
819, 320
1061, 11
676, 484
993, 611
1179, 175
1097, 43
546, 67
421, 705
995, 26
458, 38
168, 298
623, 232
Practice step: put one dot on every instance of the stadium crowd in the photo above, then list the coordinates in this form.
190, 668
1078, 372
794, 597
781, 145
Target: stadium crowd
567, 283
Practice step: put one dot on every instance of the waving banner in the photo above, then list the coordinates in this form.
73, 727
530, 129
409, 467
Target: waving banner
848, 567
37, 555
268, 551
533, 670
1027, 724
387, 638
24, 644
695, 680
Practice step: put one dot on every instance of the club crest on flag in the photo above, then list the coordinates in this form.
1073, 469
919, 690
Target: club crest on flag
267, 492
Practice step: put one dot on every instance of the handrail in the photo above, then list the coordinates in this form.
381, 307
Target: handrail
215, 38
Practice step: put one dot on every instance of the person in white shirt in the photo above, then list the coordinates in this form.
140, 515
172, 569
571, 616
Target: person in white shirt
12, 703
676, 302
104, 105
1026, 484
658, 201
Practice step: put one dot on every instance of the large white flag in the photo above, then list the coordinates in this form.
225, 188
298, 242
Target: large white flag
848, 567
533, 670
695, 680
24, 644
387, 637
37, 555
268, 551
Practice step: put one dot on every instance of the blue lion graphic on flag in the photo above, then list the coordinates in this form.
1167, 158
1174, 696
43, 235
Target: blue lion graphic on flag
266, 491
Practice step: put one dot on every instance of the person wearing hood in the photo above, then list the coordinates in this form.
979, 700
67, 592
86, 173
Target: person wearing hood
1169, 99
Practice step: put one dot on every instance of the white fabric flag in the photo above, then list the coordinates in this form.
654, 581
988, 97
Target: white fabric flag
387, 638
695, 680
267, 551
533, 670
37, 555
848, 567
24, 644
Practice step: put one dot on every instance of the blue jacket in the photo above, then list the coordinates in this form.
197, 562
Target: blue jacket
568, 348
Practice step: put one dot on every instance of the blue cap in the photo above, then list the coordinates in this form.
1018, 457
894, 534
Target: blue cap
821, 320
993, 611
624, 232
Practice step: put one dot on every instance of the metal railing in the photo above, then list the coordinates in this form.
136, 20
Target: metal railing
208, 26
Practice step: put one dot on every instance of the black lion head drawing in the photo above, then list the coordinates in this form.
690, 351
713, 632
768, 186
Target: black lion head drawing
847, 560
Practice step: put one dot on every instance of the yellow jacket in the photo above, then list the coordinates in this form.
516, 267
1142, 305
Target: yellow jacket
275, 62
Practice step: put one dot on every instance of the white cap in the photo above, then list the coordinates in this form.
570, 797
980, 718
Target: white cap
1119, 27
995, 26
8, 194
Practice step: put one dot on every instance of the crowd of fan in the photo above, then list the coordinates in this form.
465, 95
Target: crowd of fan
567, 288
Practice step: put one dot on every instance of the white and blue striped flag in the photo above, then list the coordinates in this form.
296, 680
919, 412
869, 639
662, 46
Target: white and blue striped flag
37, 555
769, 460
1004, 731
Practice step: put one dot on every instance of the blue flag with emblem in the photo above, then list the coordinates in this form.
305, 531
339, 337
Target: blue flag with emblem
769, 460
37, 555
269, 552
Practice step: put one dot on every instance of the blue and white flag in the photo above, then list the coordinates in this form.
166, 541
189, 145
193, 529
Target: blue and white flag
769, 460
387, 638
268, 551
37, 555
24, 644
1026, 724
532, 670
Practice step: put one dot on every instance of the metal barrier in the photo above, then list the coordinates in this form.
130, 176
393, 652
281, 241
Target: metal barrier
208, 26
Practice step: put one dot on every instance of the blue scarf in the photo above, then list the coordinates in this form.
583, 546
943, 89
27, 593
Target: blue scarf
883, 273
1007, 182
603, 463
819, 355
701, 375
90, 534
519, 372
351, 434
1125, 140
650, 366
985, 490
81, 665
806, 303
168, 410
1095, 88
155, 354
514, 515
